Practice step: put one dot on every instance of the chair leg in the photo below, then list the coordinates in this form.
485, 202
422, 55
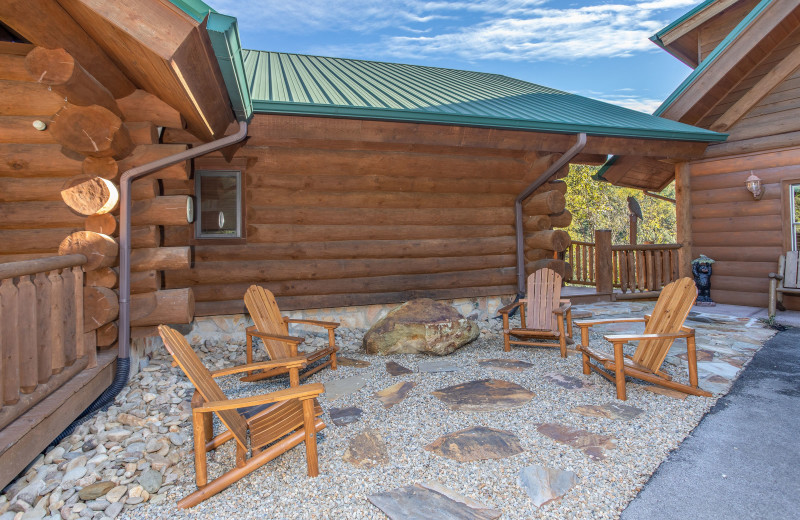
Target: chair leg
562, 340
200, 463
310, 437
241, 456
691, 358
585, 343
249, 352
569, 322
332, 343
619, 372
506, 343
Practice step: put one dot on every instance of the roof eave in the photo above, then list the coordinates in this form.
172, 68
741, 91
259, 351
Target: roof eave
223, 31
303, 109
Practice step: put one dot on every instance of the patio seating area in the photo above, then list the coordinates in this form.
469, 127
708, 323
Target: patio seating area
385, 431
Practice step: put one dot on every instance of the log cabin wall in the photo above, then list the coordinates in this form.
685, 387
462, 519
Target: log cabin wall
746, 236
58, 188
348, 221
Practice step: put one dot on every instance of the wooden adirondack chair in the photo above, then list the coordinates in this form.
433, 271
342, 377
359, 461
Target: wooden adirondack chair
277, 421
662, 327
273, 329
785, 281
542, 314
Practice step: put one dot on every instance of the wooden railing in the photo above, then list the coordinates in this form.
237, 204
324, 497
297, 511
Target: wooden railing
644, 267
580, 255
635, 269
41, 330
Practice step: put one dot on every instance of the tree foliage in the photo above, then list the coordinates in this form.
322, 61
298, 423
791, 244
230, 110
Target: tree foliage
600, 205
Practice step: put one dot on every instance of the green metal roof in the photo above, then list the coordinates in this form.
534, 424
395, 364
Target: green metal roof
297, 84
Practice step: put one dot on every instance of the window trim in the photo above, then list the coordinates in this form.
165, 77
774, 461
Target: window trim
219, 172
787, 206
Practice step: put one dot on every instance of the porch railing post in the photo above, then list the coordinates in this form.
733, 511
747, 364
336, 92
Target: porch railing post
604, 276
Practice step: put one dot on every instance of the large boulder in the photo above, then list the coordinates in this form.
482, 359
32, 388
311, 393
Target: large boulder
420, 326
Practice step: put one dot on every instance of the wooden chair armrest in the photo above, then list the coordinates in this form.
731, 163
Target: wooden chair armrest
776, 276
510, 307
251, 331
621, 338
564, 307
298, 392
326, 324
589, 323
292, 362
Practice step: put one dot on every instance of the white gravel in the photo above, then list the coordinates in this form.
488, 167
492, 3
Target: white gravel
281, 488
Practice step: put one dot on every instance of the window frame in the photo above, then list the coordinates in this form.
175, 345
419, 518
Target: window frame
789, 213
240, 214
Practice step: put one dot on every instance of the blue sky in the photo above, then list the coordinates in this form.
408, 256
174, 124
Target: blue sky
595, 48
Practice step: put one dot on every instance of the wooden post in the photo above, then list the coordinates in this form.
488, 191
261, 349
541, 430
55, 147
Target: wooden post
634, 228
683, 217
602, 261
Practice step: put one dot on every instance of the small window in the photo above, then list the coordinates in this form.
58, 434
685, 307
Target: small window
219, 202
794, 193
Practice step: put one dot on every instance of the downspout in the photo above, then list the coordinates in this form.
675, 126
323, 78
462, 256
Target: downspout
125, 223
527, 192
123, 356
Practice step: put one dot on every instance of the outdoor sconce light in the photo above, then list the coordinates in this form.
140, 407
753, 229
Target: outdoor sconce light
753, 185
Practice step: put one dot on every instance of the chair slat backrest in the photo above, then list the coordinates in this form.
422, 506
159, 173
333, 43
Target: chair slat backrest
671, 310
201, 378
791, 272
267, 317
544, 293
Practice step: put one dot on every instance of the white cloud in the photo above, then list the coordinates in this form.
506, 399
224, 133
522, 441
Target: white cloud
510, 30
645, 105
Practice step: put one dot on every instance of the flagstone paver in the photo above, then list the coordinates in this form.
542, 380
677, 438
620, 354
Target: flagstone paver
615, 411
351, 362
568, 382
593, 444
438, 365
341, 387
484, 395
395, 393
396, 369
544, 485
367, 450
427, 501
510, 365
345, 416
476, 443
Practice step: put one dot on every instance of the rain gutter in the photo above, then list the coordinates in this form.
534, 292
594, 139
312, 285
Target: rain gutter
527, 192
125, 223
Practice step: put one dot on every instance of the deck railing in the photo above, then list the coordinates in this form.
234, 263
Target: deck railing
41, 331
641, 269
644, 267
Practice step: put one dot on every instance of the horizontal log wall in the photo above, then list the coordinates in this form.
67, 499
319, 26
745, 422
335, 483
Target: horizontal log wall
355, 225
744, 236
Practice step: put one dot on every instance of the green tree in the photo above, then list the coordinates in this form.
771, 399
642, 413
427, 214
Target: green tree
600, 205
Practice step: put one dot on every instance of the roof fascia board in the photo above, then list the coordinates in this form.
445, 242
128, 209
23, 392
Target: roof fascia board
692, 20
306, 109
223, 31
697, 83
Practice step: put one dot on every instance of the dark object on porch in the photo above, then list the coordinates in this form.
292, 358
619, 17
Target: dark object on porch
701, 269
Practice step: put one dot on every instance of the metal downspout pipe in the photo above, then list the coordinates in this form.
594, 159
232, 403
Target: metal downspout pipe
563, 160
125, 223
123, 357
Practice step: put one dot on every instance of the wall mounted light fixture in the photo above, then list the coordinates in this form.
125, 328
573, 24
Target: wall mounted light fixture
753, 185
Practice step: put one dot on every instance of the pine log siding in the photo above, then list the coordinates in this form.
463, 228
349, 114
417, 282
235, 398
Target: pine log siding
743, 235
334, 223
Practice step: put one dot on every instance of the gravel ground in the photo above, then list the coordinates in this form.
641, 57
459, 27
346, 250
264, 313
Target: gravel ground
148, 431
